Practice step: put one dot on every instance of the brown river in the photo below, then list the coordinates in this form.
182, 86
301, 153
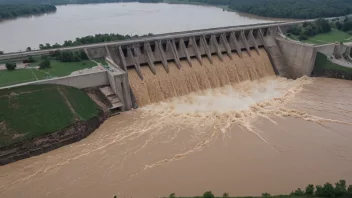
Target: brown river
229, 127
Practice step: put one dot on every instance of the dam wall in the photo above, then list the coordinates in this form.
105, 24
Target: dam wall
299, 57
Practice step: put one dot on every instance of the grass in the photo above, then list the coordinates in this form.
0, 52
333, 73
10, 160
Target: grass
331, 37
322, 64
58, 69
35, 110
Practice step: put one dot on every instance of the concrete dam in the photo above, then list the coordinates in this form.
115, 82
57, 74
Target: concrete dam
150, 69
165, 66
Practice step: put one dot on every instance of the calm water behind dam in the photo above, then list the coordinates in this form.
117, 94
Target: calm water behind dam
229, 127
72, 21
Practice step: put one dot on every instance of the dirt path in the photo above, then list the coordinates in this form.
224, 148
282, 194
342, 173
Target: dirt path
77, 117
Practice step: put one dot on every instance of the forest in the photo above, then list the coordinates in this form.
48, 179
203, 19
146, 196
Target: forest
98, 38
296, 9
11, 11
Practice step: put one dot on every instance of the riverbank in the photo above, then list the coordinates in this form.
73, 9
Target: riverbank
39, 118
12, 11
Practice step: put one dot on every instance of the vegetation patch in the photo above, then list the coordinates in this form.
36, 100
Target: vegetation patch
35, 110
324, 67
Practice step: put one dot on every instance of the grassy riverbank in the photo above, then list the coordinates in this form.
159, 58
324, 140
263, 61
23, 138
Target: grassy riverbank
35, 110
57, 69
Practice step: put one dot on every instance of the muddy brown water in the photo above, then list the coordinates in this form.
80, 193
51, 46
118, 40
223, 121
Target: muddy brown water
245, 133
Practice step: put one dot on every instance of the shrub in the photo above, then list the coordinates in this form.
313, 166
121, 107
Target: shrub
225, 195
208, 194
302, 37
266, 195
10, 66
1, 52
44, 64
28, 49
310, 190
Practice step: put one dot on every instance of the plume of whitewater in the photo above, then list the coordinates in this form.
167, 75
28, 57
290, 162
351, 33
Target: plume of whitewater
180, 82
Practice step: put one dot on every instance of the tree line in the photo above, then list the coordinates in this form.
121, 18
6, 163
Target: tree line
319, 26
310, 29
297, 9
13, 11
98, 38
64, 2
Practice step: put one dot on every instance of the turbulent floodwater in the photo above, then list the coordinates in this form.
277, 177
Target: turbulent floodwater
72, 21
245, 136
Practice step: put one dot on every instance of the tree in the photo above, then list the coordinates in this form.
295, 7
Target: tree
346, 19
44, 64
83, 55
208, 194
340, 188
28, 49
10, 66
310, 190
338, 25
347, 26
225, 195
297, 192
1, 52
266, 195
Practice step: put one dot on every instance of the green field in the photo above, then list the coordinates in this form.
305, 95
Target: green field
57, 69
35, 110
331, 37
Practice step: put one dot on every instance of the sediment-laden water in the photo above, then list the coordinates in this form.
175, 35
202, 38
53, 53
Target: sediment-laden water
229, 127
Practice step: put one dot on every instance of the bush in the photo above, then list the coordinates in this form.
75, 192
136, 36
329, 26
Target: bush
225, 195
1, 52
303, 37
208, 194
44, 64
310, 190
10, 66
266, 195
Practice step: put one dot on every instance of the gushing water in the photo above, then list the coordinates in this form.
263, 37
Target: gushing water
180, 82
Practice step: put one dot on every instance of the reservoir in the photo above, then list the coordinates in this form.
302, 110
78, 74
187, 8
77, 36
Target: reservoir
72, 21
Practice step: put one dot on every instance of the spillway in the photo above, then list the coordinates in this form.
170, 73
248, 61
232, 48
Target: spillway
179, 82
